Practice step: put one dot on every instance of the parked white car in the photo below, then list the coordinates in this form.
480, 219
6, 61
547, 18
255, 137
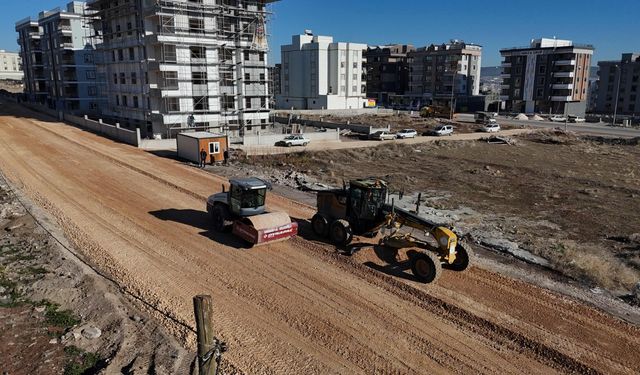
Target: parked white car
558, 118
382, 135
407, 133
441, 130
491, 127
576, 119
294, 140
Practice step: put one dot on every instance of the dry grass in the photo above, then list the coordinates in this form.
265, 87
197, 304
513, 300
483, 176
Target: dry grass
591, 263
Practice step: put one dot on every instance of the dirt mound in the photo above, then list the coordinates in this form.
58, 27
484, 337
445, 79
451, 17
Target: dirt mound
552, 136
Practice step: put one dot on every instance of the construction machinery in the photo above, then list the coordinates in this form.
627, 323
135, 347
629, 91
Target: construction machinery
362, 209
241, 210
435, 111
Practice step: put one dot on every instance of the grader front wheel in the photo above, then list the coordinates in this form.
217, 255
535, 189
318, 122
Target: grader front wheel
464, 258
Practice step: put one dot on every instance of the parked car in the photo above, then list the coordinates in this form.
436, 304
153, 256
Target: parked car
576, 119
382, 135
407, 133
441, 130
294, 140
558, 118
491, 127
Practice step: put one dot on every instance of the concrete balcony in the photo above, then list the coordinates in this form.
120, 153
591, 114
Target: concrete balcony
505, 75
505, 65
562, 86
564, 74
505, 87
561, 98
566, 62
504, 97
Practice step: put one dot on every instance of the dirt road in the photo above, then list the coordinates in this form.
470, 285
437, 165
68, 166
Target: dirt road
292, 307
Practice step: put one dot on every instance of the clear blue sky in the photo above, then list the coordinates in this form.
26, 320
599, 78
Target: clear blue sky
610, 25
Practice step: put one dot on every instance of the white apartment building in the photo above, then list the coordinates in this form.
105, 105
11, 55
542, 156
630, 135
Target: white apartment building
175, 65
318, 73
10, 65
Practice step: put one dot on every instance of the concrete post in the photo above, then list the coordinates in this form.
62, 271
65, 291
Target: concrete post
117, 125
138, 139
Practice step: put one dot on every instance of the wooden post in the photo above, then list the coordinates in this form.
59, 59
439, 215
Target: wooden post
203, 308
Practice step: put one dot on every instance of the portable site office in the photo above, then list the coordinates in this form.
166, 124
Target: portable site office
191, 144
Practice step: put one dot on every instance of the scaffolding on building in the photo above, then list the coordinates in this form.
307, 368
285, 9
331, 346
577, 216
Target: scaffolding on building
231, 27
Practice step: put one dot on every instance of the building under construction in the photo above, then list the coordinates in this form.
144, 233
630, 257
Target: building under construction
174, 65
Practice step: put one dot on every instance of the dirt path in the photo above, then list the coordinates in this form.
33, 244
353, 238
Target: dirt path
293, 307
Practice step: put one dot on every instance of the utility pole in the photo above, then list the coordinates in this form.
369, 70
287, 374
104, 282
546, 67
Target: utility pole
453, 83
615, 106
209, 348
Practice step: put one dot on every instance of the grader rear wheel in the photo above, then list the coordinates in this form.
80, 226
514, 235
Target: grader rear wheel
320, 225
340, 232
426, 267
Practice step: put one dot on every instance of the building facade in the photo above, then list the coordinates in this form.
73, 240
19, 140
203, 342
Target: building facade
184, 64
445, 72
10, 65
619, 81
29, 40
548, 76
61, 60
387, 70
318, 73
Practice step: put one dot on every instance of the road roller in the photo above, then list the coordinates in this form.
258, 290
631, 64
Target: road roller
241, 210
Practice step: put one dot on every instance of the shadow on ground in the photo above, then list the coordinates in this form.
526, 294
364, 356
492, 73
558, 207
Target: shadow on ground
199, 220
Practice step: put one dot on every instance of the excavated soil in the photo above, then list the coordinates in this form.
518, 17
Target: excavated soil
297, 306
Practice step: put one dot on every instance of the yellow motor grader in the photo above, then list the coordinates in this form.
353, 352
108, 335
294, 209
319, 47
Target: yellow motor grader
362, 209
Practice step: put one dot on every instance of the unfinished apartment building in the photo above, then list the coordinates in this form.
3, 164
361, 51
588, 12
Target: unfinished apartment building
179, 65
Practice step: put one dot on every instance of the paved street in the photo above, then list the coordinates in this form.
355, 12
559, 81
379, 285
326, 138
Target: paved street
583, 128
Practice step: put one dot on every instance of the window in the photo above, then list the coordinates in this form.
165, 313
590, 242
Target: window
113, 54
246, 56
540, 80
355, 77
120, 55
115, 78
134, 78
200, 103
92, 91
261, 56
170, 80
262, 76
263, 104
198, 52
247, 103
91, 74
226, 78
196, 25
542, 69
355, 65
199, 78
123, 79
539, 93
169, 53
132, 54
228, 102
214, 148
135, 102
125, 101
117, 100
354, 89
172, 105
247, 77
88, 58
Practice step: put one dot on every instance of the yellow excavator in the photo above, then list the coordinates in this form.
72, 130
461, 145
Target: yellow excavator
362, 209
435, 111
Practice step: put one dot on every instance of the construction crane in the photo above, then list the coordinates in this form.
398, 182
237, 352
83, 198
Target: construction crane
362, 209
241, 210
